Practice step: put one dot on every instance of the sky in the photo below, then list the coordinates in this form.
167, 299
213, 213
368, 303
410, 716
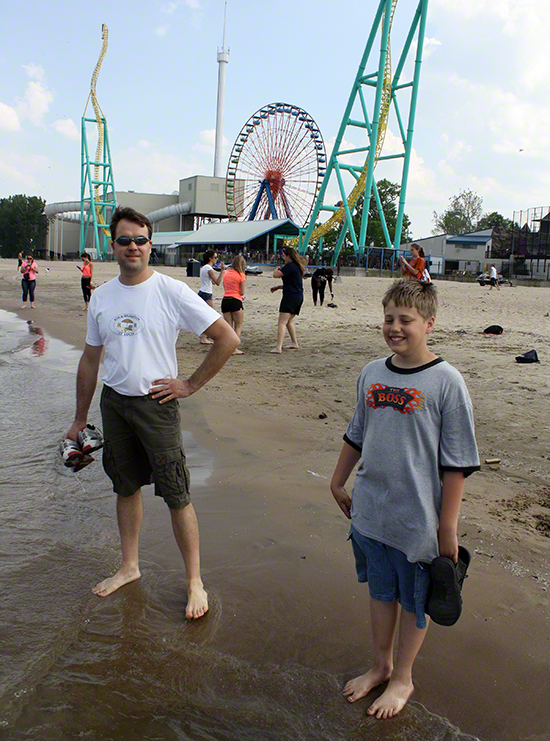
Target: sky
482, 121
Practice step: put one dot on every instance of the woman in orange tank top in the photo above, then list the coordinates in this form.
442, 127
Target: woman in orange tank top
87, 271
233, 297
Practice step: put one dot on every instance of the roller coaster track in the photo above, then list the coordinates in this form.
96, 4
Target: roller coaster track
100, 118
359, 187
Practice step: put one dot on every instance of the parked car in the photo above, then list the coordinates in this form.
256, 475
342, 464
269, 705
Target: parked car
484, 279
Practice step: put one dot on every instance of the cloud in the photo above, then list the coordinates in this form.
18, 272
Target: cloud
511, 122
161, 30
35, 71
36, 101
194, 4
67, 127
9, 120
430, 45
149, 169
171, 7
207, 142
524, 21
18, 172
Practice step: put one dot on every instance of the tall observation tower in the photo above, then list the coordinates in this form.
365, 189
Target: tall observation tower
223, 61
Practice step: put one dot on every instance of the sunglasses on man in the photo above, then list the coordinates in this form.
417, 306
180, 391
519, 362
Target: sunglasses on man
125, 241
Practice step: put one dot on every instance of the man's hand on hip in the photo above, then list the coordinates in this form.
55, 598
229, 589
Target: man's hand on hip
166, 389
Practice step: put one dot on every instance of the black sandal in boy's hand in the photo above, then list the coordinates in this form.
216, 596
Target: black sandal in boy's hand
444, 603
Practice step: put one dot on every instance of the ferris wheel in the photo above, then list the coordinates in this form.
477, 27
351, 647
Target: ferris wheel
276, 166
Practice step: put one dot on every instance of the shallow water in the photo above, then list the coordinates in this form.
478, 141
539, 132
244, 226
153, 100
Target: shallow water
266, 663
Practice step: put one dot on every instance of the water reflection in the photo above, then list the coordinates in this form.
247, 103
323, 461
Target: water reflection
40, 345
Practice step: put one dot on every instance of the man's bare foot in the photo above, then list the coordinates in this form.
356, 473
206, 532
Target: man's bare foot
23, 306
276, 351
197, 600
206, 342
110, 585
392, 700
357, 688
292, 346
238, 352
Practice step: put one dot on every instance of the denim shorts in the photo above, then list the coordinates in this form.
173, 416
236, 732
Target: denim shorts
143, 446
391, 576
205, 296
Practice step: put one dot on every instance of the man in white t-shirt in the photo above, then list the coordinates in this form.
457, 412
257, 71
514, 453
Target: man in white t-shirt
137, 317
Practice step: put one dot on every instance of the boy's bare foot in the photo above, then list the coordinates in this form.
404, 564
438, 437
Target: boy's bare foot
197, 600
238, 352
206, 342
357, 688
276, 351
392, 700
110, 585
291, 347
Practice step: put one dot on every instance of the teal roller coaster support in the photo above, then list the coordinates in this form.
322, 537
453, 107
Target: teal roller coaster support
97, 194
389, 96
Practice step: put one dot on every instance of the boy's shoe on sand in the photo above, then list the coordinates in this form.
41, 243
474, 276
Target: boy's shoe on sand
444, 603
90, 439
73, 456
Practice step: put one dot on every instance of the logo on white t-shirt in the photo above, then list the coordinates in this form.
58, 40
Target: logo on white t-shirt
127, 325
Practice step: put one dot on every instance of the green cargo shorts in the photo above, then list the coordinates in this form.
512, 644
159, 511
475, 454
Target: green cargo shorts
143, 446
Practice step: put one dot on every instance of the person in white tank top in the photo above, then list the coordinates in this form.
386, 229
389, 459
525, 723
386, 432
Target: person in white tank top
208, 276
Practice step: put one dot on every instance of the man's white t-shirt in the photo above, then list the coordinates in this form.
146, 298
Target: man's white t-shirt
493, 272
138, 327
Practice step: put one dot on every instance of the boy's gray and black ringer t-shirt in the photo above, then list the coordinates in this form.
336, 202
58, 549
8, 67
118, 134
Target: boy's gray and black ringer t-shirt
409, 425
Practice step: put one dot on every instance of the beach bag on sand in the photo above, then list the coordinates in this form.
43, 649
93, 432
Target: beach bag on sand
493, 329
528, 357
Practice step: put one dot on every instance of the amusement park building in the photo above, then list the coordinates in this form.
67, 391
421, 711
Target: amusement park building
202, 198
448, 253
521, 251
248, 237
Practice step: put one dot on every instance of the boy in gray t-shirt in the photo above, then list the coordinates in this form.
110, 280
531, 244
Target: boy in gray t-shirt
412, 434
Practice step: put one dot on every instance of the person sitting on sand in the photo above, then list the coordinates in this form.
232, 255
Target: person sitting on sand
137, 317
208, 277
293, 297
412, 434
233, 297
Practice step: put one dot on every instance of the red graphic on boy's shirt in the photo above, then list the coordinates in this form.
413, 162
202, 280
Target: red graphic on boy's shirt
406, 401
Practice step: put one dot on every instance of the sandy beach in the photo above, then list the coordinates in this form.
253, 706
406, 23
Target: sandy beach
286, 415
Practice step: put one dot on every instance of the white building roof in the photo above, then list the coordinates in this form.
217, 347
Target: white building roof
239, 232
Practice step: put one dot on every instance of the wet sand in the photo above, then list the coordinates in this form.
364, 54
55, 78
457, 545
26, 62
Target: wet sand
292, 573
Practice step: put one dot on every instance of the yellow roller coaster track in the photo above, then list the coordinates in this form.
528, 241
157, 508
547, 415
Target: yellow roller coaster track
359, 187
99, 117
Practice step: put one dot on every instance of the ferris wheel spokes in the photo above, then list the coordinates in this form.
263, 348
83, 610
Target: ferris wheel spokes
276, 166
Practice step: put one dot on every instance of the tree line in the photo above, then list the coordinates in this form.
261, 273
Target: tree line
23, 225
465, 214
